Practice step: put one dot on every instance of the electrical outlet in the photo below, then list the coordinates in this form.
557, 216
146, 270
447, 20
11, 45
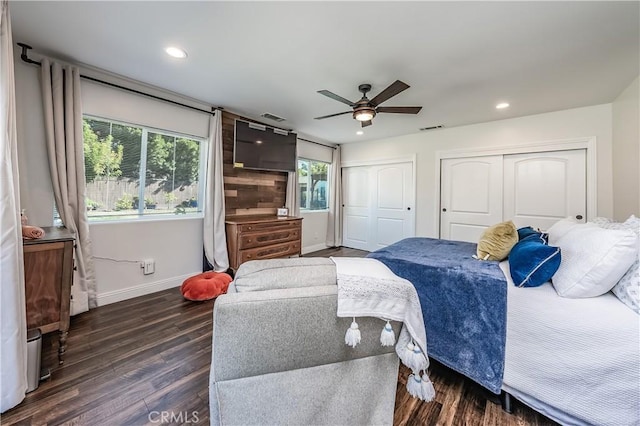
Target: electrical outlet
148, 266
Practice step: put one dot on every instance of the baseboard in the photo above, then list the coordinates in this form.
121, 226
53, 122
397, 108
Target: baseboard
311, 249
114, 296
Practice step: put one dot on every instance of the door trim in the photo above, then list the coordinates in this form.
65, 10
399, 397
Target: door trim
586, 143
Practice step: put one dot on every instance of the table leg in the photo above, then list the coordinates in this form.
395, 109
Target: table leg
62, 346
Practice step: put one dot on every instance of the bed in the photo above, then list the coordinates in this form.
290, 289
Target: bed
575, 360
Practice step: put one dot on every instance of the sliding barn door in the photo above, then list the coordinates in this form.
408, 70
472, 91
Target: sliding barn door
379, 205
470, 196
542, 188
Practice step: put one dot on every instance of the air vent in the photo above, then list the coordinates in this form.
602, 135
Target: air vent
272, 117
432, 127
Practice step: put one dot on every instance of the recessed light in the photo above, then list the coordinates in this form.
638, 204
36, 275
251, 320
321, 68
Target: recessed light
502, 105
359, 132
176, 52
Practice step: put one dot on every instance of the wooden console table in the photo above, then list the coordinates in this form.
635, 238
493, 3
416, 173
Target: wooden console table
48, 275
262, 237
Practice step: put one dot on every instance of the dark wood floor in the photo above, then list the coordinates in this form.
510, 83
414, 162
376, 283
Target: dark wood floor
141, 357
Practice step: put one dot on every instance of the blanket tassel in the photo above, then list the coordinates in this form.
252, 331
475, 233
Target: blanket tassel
352, 337
387, 337
420, 387
428, 392
413, 357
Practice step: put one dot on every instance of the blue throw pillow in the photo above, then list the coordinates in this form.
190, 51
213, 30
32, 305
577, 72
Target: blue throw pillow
532, 262
529, 231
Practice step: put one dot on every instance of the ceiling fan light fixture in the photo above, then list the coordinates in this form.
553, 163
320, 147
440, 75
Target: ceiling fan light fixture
364, 114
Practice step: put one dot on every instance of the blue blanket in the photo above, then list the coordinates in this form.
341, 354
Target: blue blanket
464, 304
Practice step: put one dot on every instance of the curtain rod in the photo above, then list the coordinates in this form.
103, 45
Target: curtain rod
318, 143
25, 58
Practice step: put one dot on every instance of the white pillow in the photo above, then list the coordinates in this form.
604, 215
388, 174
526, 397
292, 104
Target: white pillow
560, 228
628, 288
593, 259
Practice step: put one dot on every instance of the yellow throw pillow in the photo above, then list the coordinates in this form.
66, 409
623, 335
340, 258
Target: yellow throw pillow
497, 241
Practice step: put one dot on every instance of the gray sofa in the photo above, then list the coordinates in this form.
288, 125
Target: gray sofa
279, 356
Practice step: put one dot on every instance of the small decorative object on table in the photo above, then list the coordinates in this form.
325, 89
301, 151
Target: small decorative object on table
283, 211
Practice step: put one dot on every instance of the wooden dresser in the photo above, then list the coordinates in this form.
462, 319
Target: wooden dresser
262, 237
48, 275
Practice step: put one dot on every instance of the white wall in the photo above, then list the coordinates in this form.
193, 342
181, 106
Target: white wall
314, 231
36, 193
175, 244
569, 124
626, 153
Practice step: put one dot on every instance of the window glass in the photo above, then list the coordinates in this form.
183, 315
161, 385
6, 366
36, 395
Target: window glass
133, 171
313, 184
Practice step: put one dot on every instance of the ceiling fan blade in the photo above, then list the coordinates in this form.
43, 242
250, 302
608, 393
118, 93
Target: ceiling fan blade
333, 115
366, 123
399, 110
336, 97
395, 88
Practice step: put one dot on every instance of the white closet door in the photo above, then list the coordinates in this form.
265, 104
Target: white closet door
379, 205
542, 188
470, 196
393, 205
356, 220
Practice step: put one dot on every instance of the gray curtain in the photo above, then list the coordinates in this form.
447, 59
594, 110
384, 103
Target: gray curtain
63, 133
334, 223
13, 323
215, 237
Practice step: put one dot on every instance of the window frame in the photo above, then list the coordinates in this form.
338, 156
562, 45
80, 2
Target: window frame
141, 215
309, 161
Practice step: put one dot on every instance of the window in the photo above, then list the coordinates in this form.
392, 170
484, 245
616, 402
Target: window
133, 171
313, 184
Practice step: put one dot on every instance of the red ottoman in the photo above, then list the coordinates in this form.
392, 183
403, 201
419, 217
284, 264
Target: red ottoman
205, 286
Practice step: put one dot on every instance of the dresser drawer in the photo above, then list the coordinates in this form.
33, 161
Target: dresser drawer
265, 238
270, 226
270, 252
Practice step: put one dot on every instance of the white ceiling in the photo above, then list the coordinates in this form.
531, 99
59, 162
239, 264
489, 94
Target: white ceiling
460, 58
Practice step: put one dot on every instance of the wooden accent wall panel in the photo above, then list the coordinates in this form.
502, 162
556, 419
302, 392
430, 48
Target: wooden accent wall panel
248, 192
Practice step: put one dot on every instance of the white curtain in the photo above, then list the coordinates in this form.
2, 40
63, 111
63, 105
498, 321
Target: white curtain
334, 224
215, 239
13, 340
291, 200
63, 133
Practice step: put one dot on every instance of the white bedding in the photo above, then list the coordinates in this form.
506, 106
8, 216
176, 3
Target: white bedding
575, 360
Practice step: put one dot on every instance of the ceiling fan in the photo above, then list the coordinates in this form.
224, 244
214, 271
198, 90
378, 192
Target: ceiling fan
365, 109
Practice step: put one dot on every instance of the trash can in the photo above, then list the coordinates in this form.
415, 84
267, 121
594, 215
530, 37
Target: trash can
34, 348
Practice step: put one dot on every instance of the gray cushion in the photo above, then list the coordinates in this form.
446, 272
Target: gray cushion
271, 274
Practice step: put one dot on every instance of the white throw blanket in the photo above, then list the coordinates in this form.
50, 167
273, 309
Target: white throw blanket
367, 288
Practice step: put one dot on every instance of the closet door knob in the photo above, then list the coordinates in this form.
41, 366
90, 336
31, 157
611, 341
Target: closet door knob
444, 210
579, 217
